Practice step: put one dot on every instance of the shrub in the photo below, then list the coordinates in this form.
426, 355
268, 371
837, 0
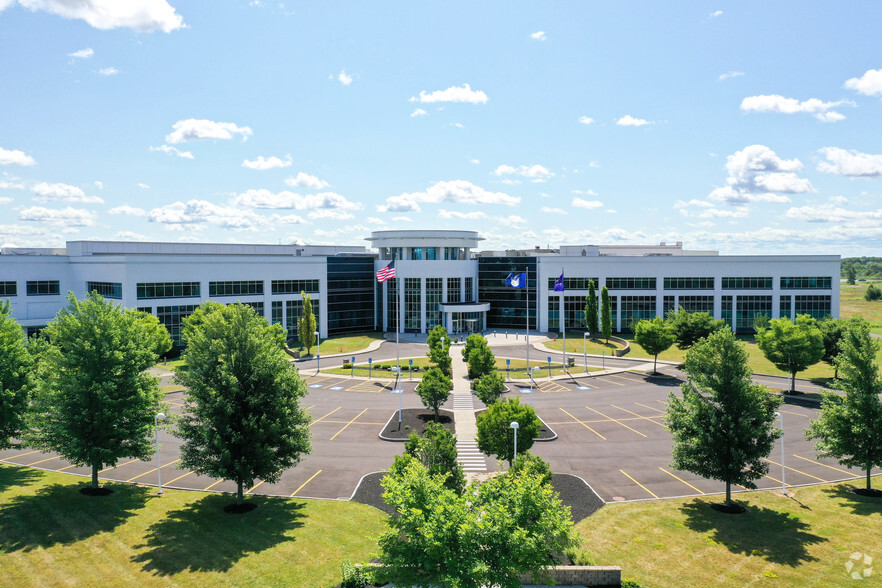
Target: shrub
873, 293
489, 387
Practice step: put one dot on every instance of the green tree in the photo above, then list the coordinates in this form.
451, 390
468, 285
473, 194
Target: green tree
242, 420
507, 526
605, 314
654, 336
534, 465
689, 327
472, 341
15, 364
436, 449
873, 293
489, 387
850, 429
439, 352
94, 403
791, 346
591, 310
724, 425
434, 389
833, 330
852, 275
495, 435
306, 327
481, 361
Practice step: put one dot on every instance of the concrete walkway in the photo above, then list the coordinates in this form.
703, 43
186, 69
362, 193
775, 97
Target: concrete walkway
468, 456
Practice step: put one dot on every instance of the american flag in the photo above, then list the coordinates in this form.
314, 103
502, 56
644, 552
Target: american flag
387, 273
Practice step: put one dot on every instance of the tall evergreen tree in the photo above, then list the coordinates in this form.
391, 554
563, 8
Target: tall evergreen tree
850, 429
724, 424
15, 363
591, 310
306, 326
94, 403
605, 314
242, 420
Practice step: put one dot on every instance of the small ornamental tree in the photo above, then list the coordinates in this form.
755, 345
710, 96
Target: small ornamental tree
436, 449
850, 429
481, 361
439, 349
242, 420
534, 466
791, 346
654, 336
489, 387
94, 402
833, 330
434, 389
591, 310
495, 435
15, 364
690, 327
605, 314
306, 326
472, 341
724, 424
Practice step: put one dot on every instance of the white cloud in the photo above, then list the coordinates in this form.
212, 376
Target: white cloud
199, 212
68, 217
450, 191
5, 200
869, 84
474, 215
262, 163
139, 15
850, 163
775, 103
418, 112
737, 212
538, 35
82, 54
99, 185
289, 219
715, 14
173, 151
331, 213
130, 236
15, 157
462, 93
730, 195
630, 121
585, 120
513, 221
584, 192
457, 125
373, 220
475, 161
290, 200
344, 78
402, 219
693, 202
550, 210
589, 204
127, 210
108, 71
192, 129
756, 174
620, 235
143, 186
730, 74
536, 173
304, 180
51, 192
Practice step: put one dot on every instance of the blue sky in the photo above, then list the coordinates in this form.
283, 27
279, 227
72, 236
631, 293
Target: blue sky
740, 127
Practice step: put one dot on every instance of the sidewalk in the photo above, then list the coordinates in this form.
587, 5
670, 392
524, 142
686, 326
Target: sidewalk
473, 462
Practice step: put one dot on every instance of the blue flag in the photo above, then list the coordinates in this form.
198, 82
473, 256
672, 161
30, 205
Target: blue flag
558, 284
517, 280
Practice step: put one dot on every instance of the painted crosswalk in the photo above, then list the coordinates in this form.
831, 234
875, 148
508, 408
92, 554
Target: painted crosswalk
469, 457
463, 402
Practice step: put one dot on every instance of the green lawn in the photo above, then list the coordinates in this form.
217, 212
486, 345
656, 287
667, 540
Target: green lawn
577, 346
852, 303
51, 535
361, 368
518, 368
805, 540
348, 344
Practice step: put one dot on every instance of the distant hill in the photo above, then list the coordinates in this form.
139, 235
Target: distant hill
866, 268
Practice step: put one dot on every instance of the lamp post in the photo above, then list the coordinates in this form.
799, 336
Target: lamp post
514, 425
159, 417
318, 352
783, 482
585, 348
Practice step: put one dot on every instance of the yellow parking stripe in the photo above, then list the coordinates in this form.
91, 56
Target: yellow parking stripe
306, 482
583, 424
117, 466
254, 487
324, 417
179, 477
681, 479
23, 454
43, 460
73, 465
649, 407
795, 470
769, 477
151, 471
347, 425
795, 413
640, 416
615, 421
825, 465
639, 484
213, 485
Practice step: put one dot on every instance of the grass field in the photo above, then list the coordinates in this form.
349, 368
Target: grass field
852, 303
361, 369
518, 368
348, 344
51, 535
804, 540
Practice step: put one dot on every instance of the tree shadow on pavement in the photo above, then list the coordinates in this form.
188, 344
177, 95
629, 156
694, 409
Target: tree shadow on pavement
778, 537
201, 537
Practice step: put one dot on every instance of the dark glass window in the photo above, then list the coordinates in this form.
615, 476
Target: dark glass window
392, 304
508, 306
747, 283
8, 289
295, 286
278, 310
750, 307
257, 306
806, 283
106, 289
726, 309
785, 310
573, 283
234, 288
294, 310
630, 283
697, 304
412, 304
469, 294
689, 283
816, 306
147, 309
168, 290
668, 304
454, 290
636, 308
574, 312
350, 298
44, 288
173, 318
433, 302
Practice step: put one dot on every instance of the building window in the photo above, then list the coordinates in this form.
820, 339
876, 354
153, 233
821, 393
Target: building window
106, 289
416, 253
630, 283
172, 317
668, 305
433, 302
697, 304
44, 288
8, 289
689, 283
454, 290
453, 253
294, 310
509, 307
278, 312
574, 312
257, 306
636, 308
573, 283
749, 308
726, 309
785, 307
806, 283
412, 304
431, 253
295, 286
816, 306
248, 288
147, 309
34, 331
146, 291
349, 301
394, 323
747, 283
469, 294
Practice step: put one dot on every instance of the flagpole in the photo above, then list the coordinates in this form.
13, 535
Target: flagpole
527, 286
563, 322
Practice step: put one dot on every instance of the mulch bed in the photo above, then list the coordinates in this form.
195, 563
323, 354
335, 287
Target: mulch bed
733, 508
872, 492
100, 491
240, 508
414, 420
